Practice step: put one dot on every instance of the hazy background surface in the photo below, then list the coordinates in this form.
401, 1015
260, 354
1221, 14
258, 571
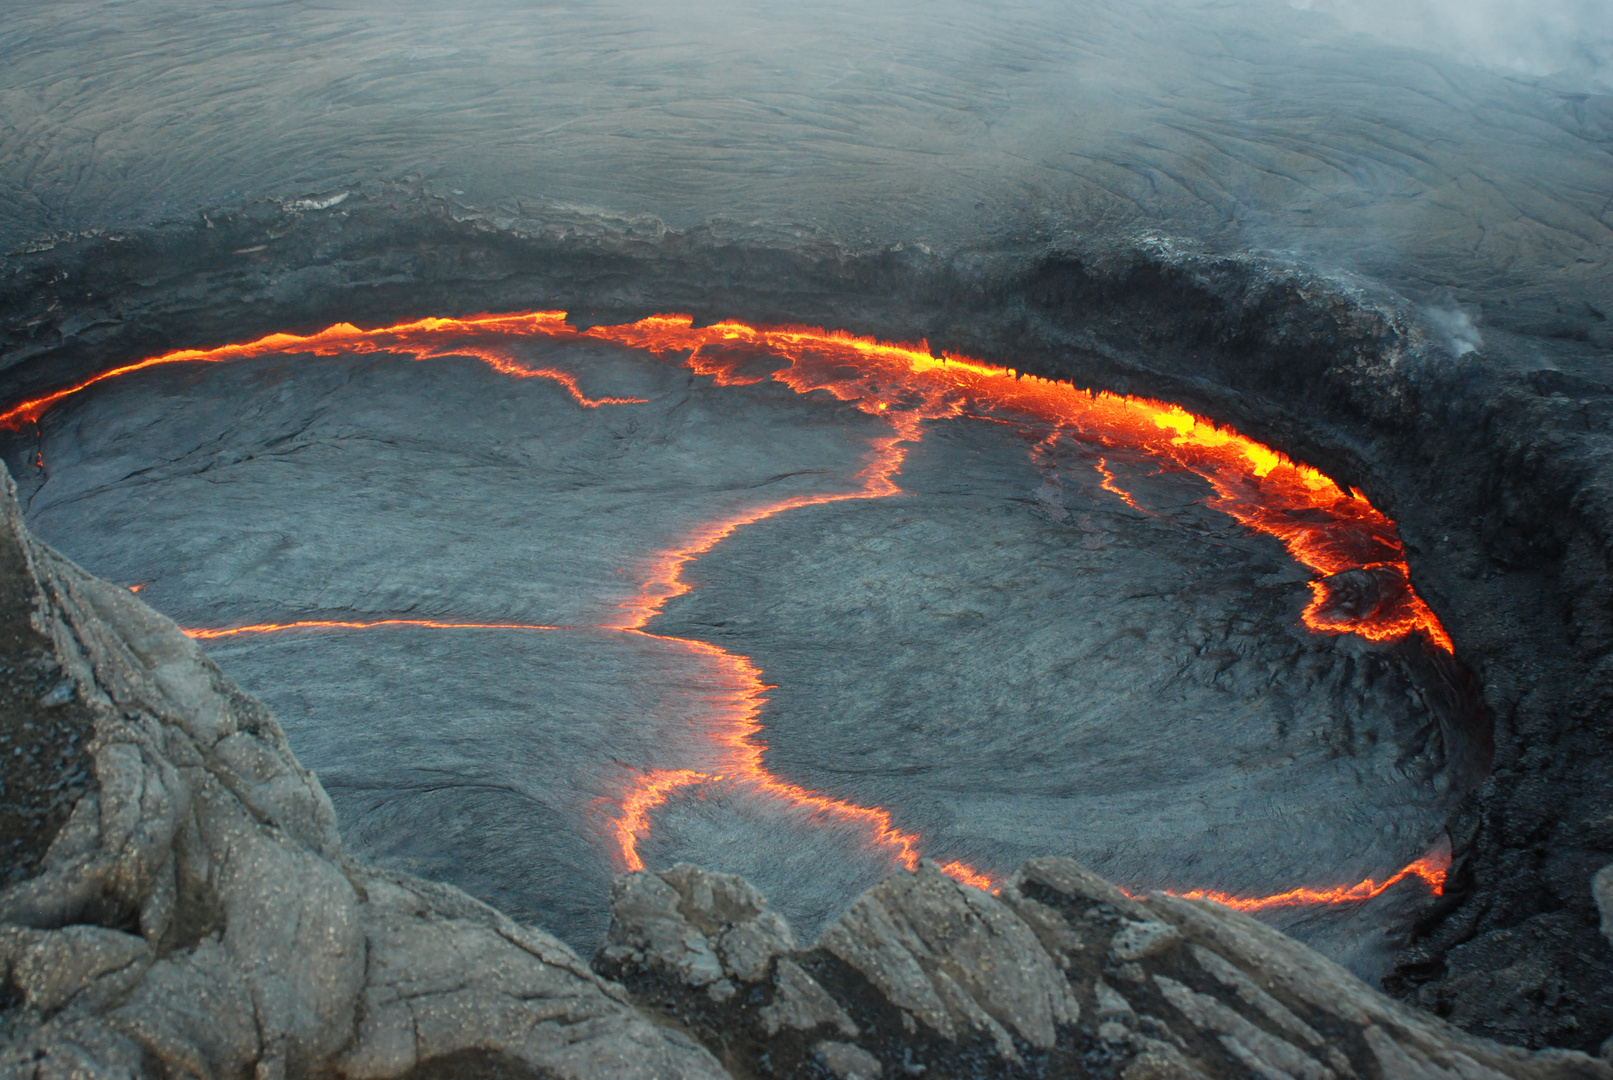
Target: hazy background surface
1569, 41
1456, 149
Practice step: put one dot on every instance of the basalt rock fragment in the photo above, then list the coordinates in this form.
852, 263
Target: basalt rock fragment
1060, 974
700, 928
955, 957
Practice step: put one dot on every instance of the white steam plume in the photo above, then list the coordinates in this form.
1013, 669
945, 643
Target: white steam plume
1461, 333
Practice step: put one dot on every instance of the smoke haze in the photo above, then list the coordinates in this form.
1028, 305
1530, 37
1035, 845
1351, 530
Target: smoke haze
1569, 39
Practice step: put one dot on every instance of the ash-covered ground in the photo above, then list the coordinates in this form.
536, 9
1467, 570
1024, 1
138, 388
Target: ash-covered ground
1007, 657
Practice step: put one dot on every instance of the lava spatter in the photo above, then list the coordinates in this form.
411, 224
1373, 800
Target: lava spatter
1364, 587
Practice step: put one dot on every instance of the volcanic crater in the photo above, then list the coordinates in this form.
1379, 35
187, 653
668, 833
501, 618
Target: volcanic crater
1222, 576
543, 597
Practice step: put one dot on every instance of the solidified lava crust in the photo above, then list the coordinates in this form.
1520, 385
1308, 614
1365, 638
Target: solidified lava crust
1334, 532
1494, 492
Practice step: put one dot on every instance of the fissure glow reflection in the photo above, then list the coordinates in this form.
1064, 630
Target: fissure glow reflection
1331, 530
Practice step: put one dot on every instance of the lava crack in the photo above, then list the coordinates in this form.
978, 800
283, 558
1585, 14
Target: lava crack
1363, 586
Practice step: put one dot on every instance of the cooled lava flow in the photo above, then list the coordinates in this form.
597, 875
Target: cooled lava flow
1364, 586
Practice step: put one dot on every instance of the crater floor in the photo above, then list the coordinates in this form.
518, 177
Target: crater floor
1031, 648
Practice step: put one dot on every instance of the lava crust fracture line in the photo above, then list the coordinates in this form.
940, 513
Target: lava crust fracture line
425, 339
819, 361
1323, 526
1107, 483
1431, 868
1329, 529
204, 634
735, 731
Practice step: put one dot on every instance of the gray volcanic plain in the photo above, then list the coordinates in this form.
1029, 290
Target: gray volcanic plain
1243, 124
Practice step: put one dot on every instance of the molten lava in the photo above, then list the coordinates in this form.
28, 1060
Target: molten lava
1364, 585
329, 624
1108, 484
1431, 868
1323, 526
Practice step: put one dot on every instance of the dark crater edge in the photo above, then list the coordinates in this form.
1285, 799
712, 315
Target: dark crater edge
1496, 464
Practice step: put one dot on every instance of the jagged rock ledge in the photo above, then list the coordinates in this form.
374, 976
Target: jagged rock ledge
1060, 974
195, 915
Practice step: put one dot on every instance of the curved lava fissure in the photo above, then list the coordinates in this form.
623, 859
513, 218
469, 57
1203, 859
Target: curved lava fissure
1364, 584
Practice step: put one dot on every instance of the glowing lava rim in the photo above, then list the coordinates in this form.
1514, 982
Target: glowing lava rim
1329, 529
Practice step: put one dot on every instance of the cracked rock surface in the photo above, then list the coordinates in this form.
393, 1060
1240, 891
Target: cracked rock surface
1057, 974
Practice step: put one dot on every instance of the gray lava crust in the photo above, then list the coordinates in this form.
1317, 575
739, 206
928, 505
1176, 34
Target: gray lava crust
197, 915
1494, 463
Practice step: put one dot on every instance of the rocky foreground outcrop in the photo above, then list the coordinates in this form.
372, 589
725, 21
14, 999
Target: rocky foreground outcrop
1057, 974
195, 915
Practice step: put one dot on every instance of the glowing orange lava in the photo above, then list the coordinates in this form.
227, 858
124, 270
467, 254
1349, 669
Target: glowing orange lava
1431, 868
424, 338
1331, 530
651, 791
1108, 484
1323, 526
330, 624
734, 728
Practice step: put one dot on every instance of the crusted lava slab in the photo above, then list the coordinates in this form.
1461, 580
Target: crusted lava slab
916, 612
1491, 463
206, 868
